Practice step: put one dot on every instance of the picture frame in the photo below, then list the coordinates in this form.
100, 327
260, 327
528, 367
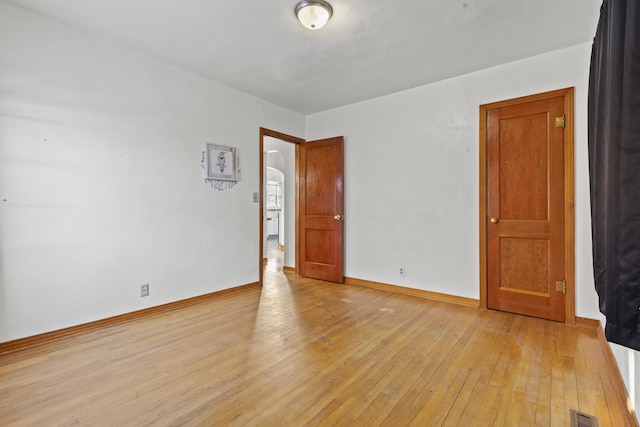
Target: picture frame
221, 163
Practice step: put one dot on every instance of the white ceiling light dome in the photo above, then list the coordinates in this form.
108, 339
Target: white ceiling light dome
313, 14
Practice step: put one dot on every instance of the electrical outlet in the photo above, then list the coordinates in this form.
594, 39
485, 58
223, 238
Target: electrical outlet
144, 290
402, 271
256, 197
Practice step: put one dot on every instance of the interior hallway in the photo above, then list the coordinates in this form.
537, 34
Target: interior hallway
274, 254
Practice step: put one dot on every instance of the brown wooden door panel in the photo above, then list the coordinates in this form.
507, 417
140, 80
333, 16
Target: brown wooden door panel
321, 200
525, 208
515, 228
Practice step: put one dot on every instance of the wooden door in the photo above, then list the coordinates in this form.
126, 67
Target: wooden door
525, 206
321, 176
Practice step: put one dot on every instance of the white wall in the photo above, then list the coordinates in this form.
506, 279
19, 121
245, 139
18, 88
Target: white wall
411, 175
101, 187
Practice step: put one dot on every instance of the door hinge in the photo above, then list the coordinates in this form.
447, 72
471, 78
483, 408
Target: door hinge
560, 121
561, 287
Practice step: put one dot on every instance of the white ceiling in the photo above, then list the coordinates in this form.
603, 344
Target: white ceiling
369, 47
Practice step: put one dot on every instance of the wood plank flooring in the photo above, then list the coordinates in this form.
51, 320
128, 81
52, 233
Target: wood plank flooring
304, 352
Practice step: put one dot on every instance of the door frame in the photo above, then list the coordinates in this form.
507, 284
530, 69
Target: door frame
569, 215
294, 140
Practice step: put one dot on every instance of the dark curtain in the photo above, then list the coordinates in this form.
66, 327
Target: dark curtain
614, 168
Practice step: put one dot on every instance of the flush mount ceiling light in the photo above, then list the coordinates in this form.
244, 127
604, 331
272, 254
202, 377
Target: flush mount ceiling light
313, 14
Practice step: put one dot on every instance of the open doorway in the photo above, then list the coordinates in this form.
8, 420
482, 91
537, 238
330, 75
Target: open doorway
278, 202
276, 218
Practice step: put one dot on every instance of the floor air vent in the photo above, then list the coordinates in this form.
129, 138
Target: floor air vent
578, 419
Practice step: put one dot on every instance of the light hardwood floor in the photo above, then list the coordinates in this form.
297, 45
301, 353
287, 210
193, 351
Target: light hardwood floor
304, 352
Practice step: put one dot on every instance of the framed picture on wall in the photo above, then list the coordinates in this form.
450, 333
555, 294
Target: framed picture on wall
221, 163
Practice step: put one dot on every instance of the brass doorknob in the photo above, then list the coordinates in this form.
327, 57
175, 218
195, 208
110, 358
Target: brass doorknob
494, 220
338, 217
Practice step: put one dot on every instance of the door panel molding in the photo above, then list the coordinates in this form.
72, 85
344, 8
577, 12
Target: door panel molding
568, 202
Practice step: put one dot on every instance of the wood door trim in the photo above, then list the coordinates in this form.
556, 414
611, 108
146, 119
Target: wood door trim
569, 198
294, 140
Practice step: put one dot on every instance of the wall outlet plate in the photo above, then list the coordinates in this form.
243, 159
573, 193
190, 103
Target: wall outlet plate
144, 290
256, 197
